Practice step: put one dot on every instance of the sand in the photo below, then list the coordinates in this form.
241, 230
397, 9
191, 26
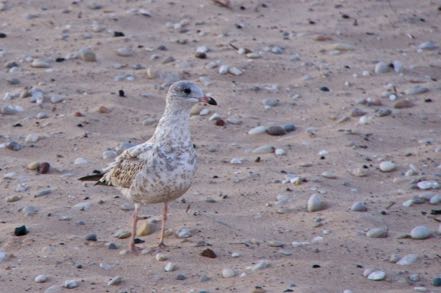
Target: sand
325, 43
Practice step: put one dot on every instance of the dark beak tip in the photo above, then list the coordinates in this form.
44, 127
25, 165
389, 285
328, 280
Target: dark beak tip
212, 101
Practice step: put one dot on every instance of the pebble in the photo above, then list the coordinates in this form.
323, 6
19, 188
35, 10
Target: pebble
13, 146
426, 184
3, 256
32, 138
387, 166
56, 99
403, 104
124, 52
329, 175
279, 152
43, 192
416, 90
382, 112
87, 54
181, 277
235, 71
161, 257
223, 69
228, 273
115, 281
91, 237
20, 231
435, 199
82, 206
184, 233
40, 63
122, 234
169, 267
315, 203
257, 130
236, 161
378, 232
276, 130
289, 127
436, 281
71, 284
429, 45
358, 206
80, 161
41, 279
13, 198
109, 154
382, 67
420, 232
29, 211
260, 265
10, 109
377, 276
146, 228
408, 260
270, 103
398, 66
264, 149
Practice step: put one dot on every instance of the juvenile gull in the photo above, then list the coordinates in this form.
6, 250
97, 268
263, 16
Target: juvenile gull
162, 168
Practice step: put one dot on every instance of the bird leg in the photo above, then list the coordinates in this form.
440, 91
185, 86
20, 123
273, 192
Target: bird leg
135, 218
164, 219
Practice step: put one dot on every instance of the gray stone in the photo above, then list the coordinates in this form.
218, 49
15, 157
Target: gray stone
378, 232
257, 130
382, 67
115, 281
416, 90
387, 166
29, 211
429, 45
408, 260
87, 55
358, 206
264, 149
420, 232
184, 233
170, 267
71, 284
315, 203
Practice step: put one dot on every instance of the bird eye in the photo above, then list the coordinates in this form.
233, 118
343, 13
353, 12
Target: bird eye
187, 91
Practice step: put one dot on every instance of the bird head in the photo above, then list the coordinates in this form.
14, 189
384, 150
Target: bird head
186, 94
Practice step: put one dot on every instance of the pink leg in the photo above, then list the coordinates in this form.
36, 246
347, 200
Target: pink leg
135, 219
164, 219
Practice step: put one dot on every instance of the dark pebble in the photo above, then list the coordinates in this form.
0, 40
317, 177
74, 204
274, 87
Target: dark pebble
20, 231
181, 277
138, 241
14, 146
382, 112
200, 55
324, 89
220, 122
436, 282
121, 93
289, 127
208, 253
2, 35
43, 168
112, 246
118, 34
91, 237
276, 130
60, 59
315, 266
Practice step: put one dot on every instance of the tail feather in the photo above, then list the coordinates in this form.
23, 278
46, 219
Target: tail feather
92, 177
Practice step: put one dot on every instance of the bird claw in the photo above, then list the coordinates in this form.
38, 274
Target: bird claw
161, 244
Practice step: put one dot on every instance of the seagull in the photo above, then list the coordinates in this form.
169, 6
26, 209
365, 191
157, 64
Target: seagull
162, 168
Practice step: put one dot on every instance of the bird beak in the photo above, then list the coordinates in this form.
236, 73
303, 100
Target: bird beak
208, 100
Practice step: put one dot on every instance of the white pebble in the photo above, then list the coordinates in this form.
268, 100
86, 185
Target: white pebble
315, 203
170, 267
257, 130
223, 69
382, 67
80, 161
40, 279
387, 166
228, 273
377, 276
71, 284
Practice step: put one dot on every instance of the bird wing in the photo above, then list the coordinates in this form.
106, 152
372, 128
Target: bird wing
123, 170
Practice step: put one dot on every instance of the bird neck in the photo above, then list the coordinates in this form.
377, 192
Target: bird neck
173, 127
